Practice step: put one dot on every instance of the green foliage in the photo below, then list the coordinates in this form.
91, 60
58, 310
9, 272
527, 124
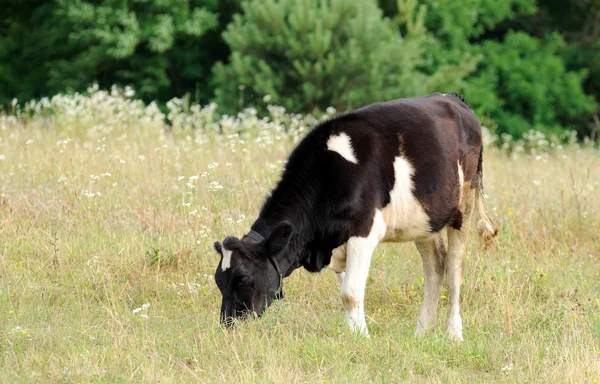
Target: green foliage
163, 49
457, 23
518, 82
133, 42
309, 54
523, 84
521, 64
31, 39
579, 23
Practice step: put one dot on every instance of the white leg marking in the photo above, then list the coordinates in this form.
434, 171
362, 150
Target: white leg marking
432, 252
457, 240
404, 215
226, 263
358, 259
456, 246
341, 144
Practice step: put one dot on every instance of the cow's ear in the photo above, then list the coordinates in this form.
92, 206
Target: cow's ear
232, 243
218, 247
278, 239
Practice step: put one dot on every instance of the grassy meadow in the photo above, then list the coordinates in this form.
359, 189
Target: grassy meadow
106, 263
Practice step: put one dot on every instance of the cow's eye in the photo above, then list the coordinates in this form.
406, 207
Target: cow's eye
244, 281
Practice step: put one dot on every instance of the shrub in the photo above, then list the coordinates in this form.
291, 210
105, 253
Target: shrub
523, 84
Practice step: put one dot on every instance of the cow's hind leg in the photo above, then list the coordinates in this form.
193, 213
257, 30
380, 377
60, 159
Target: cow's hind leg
433, 254
457, 241
358, 259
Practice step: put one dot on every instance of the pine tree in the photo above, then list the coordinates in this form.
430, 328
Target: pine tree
311, 54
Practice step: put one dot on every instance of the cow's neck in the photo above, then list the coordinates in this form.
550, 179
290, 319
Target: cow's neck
275, 212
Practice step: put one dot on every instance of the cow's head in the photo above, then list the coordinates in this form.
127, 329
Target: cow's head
248, 275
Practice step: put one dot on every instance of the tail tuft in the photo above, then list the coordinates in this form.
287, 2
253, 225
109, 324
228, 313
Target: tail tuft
487, 232
485, 226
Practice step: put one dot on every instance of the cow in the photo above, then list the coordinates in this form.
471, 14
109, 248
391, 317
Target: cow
395, 171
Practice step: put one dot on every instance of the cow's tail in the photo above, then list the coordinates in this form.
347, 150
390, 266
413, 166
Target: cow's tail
485, 226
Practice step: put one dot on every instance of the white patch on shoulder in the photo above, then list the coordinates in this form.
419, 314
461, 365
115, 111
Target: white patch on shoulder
405, 217
341, 144
226, 263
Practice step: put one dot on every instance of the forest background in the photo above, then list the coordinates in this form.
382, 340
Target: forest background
520, 64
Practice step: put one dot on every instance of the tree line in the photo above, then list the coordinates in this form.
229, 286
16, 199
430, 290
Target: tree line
520, 64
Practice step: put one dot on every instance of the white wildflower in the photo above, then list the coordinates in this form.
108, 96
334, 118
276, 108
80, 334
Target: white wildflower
213, 165
129, 92
2, 157
215, 186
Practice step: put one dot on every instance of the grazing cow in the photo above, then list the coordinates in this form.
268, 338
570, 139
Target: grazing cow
396, 171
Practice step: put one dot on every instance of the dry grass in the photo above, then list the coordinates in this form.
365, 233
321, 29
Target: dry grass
94, 227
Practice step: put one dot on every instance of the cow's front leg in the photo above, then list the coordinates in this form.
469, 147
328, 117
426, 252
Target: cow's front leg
358, 260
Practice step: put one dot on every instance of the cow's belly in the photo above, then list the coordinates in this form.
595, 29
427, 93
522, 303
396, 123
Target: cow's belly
405, 220
403, 235
404, 215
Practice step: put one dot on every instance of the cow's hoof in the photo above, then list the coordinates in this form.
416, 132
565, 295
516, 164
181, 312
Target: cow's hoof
454, 328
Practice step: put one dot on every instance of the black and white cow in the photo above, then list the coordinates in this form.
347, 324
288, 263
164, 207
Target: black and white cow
396, 171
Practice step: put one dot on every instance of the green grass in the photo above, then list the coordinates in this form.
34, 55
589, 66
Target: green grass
73, 268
